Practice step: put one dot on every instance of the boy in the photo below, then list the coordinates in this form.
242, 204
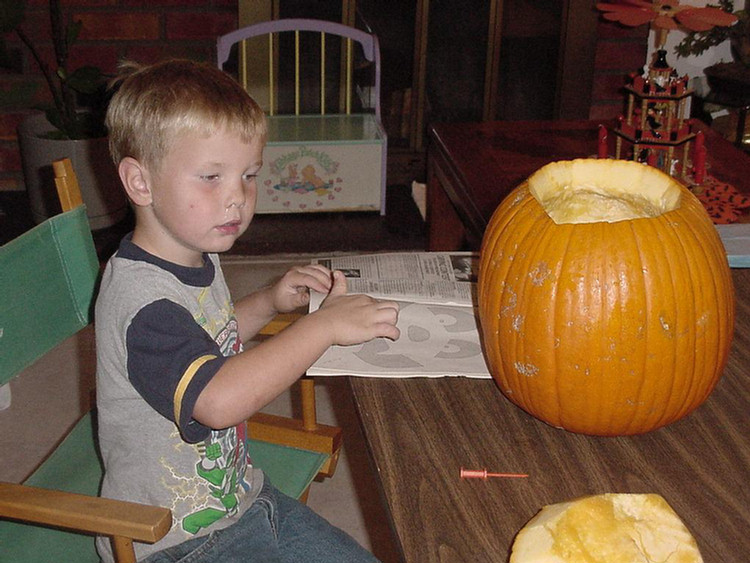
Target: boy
173, 384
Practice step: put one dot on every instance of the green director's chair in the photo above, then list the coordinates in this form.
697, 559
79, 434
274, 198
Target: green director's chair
52, 271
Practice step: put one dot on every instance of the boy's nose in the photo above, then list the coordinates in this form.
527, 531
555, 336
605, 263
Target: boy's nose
236, 197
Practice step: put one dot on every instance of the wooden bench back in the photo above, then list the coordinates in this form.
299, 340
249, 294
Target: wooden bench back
297, 60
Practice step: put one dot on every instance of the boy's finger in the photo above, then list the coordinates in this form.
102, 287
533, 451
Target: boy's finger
317, 271
318, 279
339, 284
321, 268
389, 305
390, 331
389, 315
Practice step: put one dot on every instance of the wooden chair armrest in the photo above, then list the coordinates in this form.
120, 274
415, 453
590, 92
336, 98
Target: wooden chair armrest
279, 323
292, 433
84, 513
307, 433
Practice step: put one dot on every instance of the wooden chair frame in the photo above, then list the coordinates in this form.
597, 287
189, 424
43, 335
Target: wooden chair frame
126, 522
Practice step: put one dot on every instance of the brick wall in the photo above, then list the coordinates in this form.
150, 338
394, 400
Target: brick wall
141, 30
149, 30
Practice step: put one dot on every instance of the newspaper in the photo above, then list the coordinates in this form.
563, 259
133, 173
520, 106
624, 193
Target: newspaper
436, 292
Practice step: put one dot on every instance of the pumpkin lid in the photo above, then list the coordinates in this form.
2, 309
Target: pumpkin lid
611, 528
603, 190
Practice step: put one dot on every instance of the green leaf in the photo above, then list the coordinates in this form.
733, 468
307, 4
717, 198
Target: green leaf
86, 79
87, 82
90, 126
74, 31
84, 125
55, 119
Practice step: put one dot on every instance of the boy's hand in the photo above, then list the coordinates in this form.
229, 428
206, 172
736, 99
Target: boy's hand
357, 318
293, 289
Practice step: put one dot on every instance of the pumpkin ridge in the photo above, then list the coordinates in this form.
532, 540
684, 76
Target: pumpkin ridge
701, 296
697, 262
663, 320
707, 240
645, 326
612, 309
562, 305
578, 269
559, 303
606, 371
535, 283
605, 416
712, 249
720, 253
506, 211
642, 332
490, 296
531, 216
678, 397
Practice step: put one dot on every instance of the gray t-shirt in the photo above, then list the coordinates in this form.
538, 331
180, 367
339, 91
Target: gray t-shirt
162, 332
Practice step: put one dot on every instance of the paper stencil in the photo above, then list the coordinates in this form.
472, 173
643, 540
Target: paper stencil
435, 341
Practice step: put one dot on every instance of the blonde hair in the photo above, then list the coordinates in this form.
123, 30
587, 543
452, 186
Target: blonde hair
155, 104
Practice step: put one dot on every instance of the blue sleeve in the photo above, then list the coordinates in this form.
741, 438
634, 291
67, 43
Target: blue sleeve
171, 359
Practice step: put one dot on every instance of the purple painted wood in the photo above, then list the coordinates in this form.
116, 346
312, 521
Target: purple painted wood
368, 41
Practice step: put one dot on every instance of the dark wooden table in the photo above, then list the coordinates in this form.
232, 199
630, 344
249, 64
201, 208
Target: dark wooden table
472, 167
420, 432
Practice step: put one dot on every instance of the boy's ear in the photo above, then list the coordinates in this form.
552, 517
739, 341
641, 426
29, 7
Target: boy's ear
136, 181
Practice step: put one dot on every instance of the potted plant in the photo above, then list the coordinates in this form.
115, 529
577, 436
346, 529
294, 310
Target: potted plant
729, 81
697, 42
71, 126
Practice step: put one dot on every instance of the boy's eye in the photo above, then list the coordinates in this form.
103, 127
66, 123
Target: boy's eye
209, 177
249, 177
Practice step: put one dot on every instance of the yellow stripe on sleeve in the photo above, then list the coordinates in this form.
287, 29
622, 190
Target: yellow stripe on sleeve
182, 386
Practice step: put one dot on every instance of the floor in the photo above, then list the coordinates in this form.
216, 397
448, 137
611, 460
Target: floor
350, 499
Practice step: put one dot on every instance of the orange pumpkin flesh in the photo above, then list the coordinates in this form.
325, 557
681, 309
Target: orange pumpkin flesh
610, 323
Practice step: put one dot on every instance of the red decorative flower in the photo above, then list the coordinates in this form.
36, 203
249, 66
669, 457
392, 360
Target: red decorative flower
665, 14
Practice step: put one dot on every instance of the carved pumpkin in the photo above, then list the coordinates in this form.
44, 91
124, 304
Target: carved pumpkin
605, 298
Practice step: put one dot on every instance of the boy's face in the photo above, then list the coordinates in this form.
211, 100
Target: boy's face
203, 197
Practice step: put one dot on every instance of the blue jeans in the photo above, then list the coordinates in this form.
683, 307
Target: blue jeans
276, 529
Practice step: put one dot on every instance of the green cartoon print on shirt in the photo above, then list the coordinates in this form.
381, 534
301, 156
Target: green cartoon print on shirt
222, 466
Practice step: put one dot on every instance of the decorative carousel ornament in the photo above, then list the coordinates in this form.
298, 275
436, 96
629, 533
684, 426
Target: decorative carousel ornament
656, 128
